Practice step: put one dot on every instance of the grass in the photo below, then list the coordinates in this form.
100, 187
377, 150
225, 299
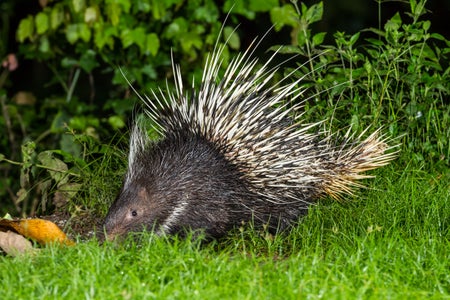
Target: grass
390, 242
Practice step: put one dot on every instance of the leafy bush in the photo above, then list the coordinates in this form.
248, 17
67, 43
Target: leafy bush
397, 76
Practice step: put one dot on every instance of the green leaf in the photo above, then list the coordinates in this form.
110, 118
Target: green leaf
72, 33
84, 32
69, 145
412, 4
26, 29
22, 194
126, 4
418, 9
59, 121
262, 5
375, 42
394, 23
143, 6
28, 150
44, 45
121, 79
69, 189
438, 36
91, 15
56, 17
318, 38
303, 37
68, 62
103, 35
232, 37
354, 38
78, 5
378, 32
286, 49
284, 15
178, 26
152, 44
138, 37
83, 122
426, 51
355, 122
238, 7
56, 167
42, 23
113, 11
314, 13
77, 31
190, 40
126, 38
415, 35
116, 122
368, 67
158, 9
88, 61
149, 70
208, 14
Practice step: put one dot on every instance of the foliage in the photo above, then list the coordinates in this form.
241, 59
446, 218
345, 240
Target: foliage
397, 76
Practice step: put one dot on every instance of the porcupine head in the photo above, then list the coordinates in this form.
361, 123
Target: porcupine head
181, 182
232, 151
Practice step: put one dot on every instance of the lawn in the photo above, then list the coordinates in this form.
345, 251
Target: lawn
391, 241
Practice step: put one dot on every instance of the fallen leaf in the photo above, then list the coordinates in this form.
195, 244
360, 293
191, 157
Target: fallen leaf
42, 231
14, 244
24, 98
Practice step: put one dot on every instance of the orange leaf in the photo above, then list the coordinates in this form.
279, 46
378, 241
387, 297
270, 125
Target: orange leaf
42, 231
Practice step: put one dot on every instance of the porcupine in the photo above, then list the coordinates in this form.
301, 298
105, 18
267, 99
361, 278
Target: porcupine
233, 151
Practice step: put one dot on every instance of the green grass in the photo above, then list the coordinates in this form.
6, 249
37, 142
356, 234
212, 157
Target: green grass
390, 242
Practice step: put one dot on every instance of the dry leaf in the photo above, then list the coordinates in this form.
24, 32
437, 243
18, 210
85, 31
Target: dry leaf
42, 231
24, 98
14, 244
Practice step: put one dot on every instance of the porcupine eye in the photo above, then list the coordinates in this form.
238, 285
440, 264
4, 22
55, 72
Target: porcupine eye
134, 213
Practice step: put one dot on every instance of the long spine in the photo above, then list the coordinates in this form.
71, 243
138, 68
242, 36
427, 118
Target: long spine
255, 126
